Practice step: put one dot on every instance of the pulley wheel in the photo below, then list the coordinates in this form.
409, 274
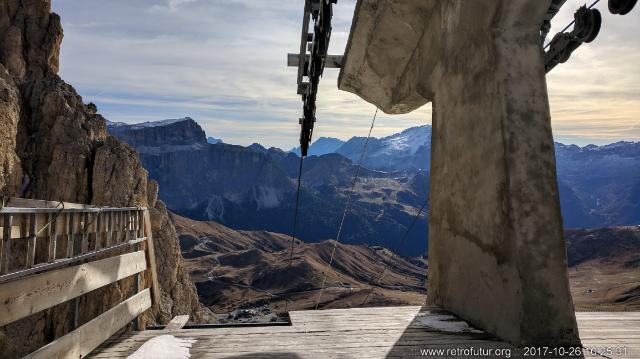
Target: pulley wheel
595, 22
621, 7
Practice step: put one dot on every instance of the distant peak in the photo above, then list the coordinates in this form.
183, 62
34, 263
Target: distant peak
163, 122
321, 146
256, 147
213, 140
148, 124
328, 139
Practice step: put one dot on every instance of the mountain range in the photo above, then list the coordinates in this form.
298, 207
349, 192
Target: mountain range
599, 185
408, 150
253, 188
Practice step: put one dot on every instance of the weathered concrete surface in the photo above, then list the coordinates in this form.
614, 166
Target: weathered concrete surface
497, 256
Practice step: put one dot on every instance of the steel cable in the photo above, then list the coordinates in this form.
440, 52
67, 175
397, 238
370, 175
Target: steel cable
346, 209
399, 245
295, 225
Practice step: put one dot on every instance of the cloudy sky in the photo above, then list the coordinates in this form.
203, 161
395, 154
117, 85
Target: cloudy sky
223, 62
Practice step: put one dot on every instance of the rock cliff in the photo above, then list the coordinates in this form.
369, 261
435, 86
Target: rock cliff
53, 147
175, 132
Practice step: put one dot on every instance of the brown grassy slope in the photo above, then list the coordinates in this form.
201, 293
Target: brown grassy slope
604, 268
245, 268
234, 269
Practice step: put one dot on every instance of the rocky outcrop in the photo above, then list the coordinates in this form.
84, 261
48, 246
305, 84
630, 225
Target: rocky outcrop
53, 147
174, 132
10, 171
31, 36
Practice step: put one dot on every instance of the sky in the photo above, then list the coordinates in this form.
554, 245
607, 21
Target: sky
223, 63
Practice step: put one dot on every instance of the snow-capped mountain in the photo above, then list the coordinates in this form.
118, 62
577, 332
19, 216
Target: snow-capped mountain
321, 146
404, 151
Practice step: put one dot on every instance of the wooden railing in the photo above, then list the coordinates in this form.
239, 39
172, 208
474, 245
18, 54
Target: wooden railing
54, 252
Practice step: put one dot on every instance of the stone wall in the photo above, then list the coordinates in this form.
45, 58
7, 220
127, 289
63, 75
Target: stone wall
497, 256
52, 147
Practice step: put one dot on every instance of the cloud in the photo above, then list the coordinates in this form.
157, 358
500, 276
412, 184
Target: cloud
170, 6
223, 62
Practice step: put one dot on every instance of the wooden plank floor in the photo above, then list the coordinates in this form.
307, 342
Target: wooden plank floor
393, 332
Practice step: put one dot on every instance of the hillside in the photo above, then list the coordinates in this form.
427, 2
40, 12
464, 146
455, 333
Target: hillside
235, 269
247, 269
604, 268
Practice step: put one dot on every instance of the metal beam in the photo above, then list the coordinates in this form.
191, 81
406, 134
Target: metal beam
330, 61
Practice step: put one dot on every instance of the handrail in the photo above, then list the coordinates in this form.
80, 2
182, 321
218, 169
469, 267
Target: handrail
76, 228
67, 261
20, 210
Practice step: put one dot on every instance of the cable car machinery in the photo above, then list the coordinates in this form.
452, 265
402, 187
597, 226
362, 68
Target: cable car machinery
311, 62
586, 27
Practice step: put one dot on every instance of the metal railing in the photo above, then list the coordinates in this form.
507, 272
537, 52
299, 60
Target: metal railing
56, 252
39, 236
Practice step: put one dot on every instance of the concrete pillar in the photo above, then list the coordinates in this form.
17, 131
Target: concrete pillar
497, 257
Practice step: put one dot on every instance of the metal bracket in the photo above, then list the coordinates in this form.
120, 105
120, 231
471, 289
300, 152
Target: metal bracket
311, 62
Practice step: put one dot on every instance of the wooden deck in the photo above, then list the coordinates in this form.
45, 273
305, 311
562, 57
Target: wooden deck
394, 332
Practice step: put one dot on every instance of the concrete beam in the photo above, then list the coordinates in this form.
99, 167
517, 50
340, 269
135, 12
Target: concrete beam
497, 257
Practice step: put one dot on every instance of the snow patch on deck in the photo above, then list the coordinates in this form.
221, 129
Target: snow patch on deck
164, 347
442, 322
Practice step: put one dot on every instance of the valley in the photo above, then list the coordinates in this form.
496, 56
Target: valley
246, 269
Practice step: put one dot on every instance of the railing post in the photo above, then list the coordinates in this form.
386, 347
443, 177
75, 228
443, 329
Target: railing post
122, 229
109, 223
70, 239
96, 231
151, 257
84, 247
31, 242
5, 257
52, 236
